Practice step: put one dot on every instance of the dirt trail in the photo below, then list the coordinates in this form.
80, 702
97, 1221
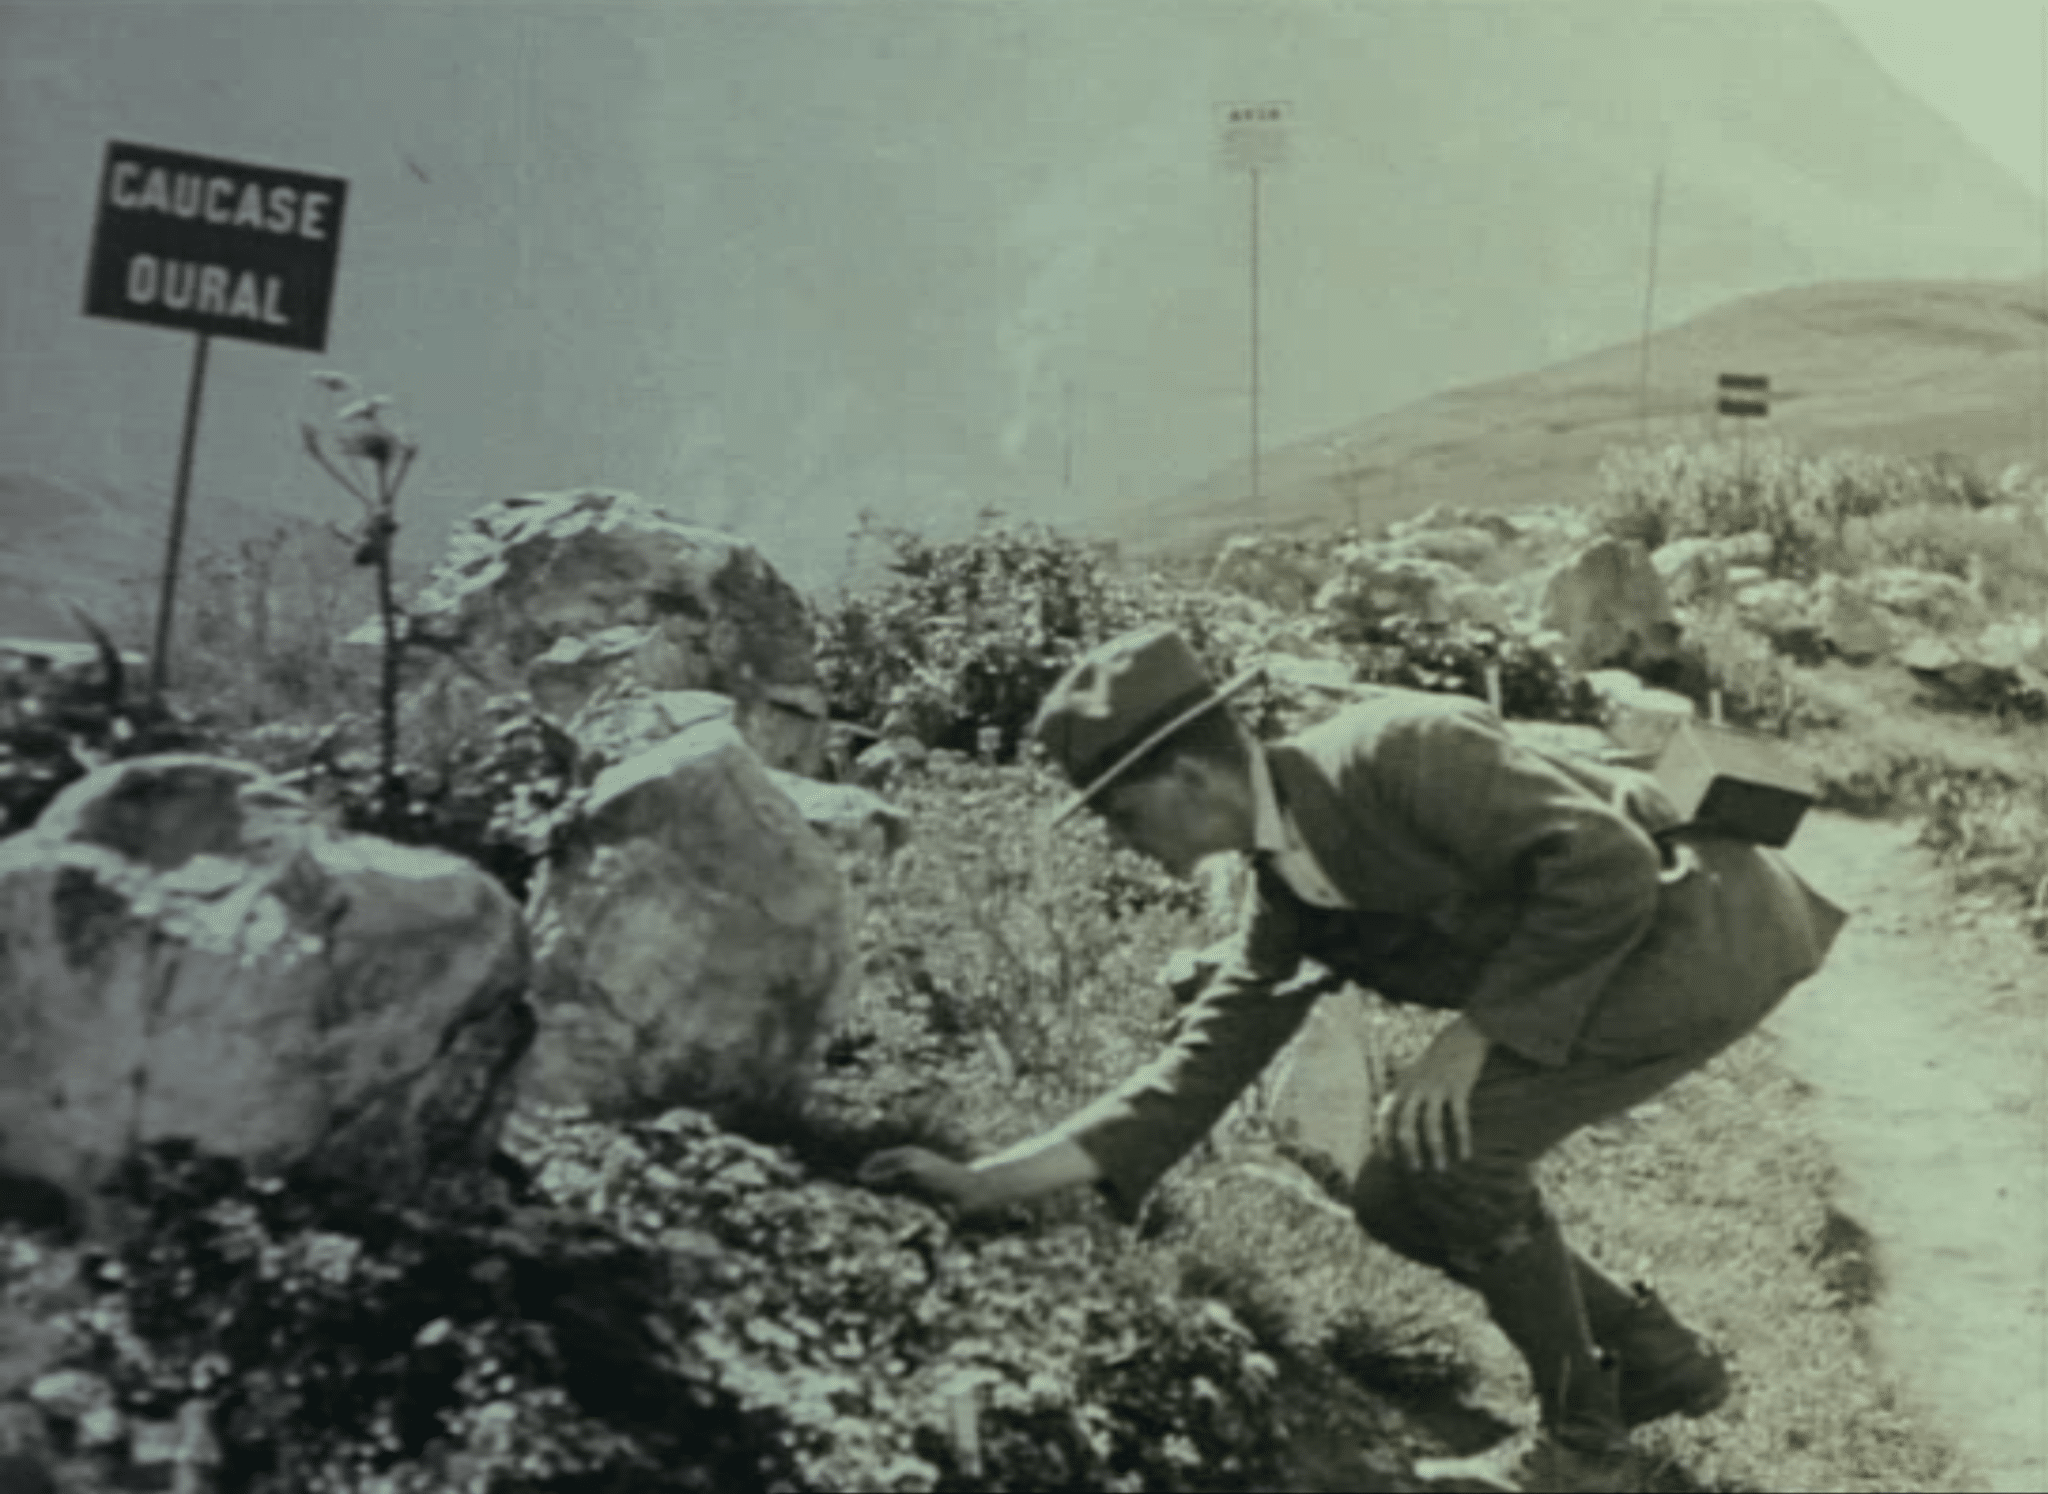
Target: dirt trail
1925, 1039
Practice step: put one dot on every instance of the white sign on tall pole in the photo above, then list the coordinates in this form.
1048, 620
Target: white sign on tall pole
1252, 138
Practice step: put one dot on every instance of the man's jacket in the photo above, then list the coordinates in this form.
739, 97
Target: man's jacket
1530, 892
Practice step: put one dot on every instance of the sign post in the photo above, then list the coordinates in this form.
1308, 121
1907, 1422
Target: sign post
181, 496
221, 249
1745, 397
1253, 138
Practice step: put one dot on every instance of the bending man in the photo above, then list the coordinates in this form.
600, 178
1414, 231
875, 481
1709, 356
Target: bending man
1409, 843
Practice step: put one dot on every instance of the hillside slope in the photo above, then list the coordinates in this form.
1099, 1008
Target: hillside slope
92, 544
1905, 368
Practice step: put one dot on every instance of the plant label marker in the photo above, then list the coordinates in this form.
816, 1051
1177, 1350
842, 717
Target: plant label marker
221, 249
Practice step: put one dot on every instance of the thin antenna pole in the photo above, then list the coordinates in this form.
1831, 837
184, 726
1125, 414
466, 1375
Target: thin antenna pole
1067, 435
1257, 499
2041, 424
1649, 306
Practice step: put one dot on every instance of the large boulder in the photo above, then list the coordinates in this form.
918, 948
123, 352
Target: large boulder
618, 727
1283, 573
690, 936
2016, 641
1970, 677
1850, 623
1695, 568
608, 731
1933, 599
572, 595
1609, 607
1469, 548
1785, 612
189, 953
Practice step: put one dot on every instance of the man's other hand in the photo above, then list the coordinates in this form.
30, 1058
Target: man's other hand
1428, 1116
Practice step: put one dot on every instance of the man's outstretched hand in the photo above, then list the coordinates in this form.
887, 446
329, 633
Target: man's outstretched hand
1029, 1170
925, 1175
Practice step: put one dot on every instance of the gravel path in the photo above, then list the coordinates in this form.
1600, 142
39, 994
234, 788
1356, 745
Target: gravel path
1926, 1039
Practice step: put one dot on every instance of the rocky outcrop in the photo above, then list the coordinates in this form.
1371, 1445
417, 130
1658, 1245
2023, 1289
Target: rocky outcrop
574, 595
1971, 677
691, 938
624, 725
1375, 582
1782, 611
1695, 569
847, 815
889, 762
1932, 599
1282, 573
1609, 607
619, 727
1850, 624
189, 953
1469, 548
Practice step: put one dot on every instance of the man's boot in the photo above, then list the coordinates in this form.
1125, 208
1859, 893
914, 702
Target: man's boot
1532, 1294
1666, 1368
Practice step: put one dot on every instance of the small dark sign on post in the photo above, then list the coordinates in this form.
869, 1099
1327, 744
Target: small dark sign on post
1747, 395
222, 248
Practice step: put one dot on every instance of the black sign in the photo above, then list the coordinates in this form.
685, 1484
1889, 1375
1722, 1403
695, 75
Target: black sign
215, 246
1734, 388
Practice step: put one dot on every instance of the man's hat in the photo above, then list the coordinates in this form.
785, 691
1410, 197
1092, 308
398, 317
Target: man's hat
1120, 700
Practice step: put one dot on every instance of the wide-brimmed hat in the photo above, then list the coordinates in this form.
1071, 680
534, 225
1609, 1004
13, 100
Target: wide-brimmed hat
1120, 700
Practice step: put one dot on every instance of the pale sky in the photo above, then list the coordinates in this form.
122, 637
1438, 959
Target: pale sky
1977, 61
777, 261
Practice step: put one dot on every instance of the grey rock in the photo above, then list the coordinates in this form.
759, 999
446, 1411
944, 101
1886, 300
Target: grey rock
1943, 602
1850, 623
845, 814
1375, 582
1609, 607
690, 935
1283, 573
626, 724
1467, 548
889, 762
1639, 718
189, 952
1782, 610
571, 594
70, 1394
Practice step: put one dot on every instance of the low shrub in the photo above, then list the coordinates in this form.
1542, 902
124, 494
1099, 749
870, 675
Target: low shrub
674, 1308
960, 640
1020, 960
965, 635
1805, 503
2002, 551
1454, 658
